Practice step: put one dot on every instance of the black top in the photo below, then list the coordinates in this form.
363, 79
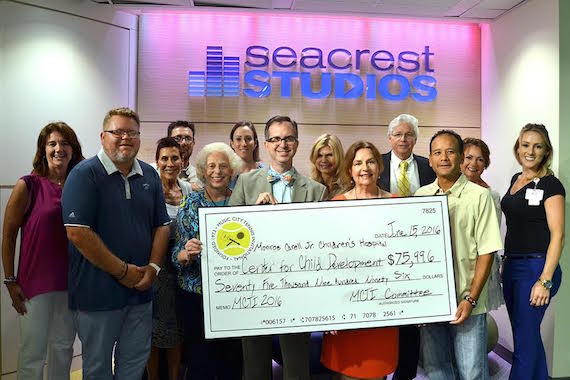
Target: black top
527, 229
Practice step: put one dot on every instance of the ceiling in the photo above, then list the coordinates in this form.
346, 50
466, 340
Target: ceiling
448, 9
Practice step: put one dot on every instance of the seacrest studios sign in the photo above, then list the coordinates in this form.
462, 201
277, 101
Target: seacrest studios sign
347, 72
339, 73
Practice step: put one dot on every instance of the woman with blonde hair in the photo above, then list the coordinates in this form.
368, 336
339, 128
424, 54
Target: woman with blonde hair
534, 212
326, 163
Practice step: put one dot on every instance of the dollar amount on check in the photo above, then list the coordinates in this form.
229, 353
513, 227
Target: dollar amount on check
276, 269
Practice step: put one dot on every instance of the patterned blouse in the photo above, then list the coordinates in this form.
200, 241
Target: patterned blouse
189, 278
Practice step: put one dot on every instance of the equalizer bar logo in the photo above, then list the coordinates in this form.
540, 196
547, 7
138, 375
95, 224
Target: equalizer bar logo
221, 77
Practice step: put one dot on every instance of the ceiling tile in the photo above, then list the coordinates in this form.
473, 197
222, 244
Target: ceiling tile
483, 13
499, 4
472, 9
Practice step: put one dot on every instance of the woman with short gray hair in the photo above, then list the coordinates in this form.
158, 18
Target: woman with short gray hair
216, 165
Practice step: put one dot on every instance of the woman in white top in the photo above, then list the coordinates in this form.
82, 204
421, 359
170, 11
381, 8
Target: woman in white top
167, 330
476, 158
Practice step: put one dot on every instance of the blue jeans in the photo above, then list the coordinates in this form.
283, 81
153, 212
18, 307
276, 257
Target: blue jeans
127, 330
456, 351
519, 276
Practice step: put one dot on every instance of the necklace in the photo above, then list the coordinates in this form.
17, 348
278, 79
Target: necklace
223, 202
59, 182
376, 196
172, 195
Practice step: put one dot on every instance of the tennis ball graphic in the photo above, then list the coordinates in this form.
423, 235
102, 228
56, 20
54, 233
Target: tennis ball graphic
233, 239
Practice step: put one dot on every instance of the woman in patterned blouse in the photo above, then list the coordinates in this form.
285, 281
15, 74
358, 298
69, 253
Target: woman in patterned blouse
216, 165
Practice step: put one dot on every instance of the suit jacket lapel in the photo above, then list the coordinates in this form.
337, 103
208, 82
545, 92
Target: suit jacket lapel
262, 183
421, 172
299, 189
384, 180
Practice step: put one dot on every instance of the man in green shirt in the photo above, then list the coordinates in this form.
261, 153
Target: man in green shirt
475, 236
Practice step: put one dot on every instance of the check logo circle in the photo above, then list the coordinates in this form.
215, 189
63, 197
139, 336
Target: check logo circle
233, 238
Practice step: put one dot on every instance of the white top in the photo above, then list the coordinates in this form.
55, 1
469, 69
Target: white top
189, 175
413, 173
186, 175
172, 210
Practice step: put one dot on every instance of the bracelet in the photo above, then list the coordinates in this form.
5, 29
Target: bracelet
471, 300
10, 280
125, 271
156, 267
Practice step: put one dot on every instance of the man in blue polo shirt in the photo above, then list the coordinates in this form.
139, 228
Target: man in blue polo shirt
116, 221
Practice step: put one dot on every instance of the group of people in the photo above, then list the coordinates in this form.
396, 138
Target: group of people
133, 238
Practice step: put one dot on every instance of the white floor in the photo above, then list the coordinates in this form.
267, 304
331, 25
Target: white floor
499, 370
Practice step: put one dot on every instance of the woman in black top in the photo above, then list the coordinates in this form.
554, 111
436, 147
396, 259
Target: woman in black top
534, 211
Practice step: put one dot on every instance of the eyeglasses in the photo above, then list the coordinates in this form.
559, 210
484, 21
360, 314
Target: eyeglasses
277, 139
179, 139
119, 133
406, 136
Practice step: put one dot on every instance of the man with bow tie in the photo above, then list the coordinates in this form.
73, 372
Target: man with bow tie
279, 183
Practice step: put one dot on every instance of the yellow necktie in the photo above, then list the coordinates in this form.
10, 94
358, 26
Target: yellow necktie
403, 182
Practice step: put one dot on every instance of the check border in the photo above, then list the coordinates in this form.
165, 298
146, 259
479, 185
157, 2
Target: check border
206, 223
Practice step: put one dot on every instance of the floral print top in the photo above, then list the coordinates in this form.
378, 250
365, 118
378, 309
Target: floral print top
189, 277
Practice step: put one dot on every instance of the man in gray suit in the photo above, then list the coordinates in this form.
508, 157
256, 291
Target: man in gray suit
280, 183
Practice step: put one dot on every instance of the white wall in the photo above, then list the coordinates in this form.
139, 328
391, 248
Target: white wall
519, 84
71, 62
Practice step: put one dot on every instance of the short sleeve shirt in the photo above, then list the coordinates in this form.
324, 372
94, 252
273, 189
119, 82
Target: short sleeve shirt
527, 228
123, 212
474, 231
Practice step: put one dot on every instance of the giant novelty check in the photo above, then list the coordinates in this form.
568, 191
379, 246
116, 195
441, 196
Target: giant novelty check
302, 267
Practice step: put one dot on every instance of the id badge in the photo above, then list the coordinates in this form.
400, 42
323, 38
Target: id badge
534, 196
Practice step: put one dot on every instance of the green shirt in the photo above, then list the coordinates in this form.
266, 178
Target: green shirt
474, 231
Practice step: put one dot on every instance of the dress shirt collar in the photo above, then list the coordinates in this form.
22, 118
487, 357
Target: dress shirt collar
455, 190
292, 172
396, 160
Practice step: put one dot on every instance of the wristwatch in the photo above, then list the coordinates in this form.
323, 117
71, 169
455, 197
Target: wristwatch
546, 283
156, 267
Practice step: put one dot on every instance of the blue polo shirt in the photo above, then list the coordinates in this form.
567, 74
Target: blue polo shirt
123, 212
